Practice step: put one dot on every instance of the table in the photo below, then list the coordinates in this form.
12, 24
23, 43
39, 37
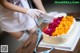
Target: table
28, 46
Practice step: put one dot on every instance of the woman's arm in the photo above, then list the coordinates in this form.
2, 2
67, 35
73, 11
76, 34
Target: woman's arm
12, 7
39, 5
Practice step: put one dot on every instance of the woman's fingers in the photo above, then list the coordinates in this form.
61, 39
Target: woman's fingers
35, 13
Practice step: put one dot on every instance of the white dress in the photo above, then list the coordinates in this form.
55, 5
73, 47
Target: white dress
15, 21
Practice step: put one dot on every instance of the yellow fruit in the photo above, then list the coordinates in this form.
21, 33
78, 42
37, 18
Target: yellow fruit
64, 26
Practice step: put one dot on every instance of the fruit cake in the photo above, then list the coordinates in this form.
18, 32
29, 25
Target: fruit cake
58, 30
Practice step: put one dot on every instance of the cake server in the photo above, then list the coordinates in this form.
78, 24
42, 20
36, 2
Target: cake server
39, 32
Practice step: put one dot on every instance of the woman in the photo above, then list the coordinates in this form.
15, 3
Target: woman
17, 17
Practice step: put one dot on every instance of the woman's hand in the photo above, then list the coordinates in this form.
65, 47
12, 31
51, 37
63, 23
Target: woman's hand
34, 13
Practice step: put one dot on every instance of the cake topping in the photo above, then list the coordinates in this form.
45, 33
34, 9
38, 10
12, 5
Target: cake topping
59, 26
52, 26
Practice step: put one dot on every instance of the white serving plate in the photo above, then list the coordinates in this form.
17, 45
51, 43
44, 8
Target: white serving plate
68, 45
48, 18
60, 15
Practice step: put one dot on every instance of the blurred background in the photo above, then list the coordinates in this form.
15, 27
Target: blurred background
67, 8
6, 39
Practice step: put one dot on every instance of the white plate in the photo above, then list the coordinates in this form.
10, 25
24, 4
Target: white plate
48, 18
68, 45
60, 15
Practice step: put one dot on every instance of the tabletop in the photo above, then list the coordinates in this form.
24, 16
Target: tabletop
28, 46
